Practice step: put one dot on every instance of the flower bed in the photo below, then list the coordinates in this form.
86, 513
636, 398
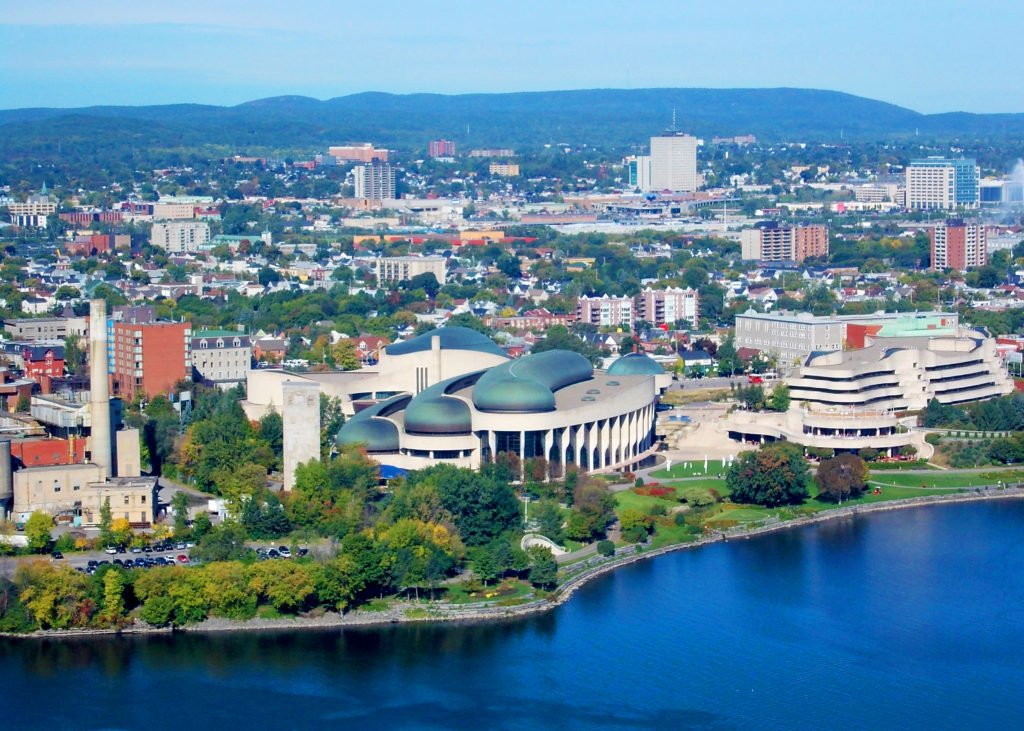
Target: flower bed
653, 489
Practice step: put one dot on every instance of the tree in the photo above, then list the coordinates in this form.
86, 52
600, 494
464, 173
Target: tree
543, 568
842, 477
779, 400
226, 542
37, 531
106, 520
481, 506
180, 505
728, 361
113, 595
773, 475
345, 356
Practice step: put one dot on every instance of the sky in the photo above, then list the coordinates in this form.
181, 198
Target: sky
939, 56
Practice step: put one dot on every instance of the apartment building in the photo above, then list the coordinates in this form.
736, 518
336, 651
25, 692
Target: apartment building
957, 244
775, 241
404, 268
441, 148
150, 357
504, 169
668, 306
606, 311
221, 357
374, 181
179, 237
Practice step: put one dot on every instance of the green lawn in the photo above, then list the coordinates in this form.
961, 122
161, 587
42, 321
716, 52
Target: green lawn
746, 514
945, 479
629, 499
696, 469
918, 464
707, 483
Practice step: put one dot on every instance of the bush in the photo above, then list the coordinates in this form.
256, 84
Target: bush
637, 534
639, 482
679, 519
605, 548
933, 439
657, 509
868, 454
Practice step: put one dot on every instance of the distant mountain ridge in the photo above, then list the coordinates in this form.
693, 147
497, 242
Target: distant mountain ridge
616, 117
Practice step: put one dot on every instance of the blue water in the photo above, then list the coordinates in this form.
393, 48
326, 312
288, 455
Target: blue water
907, 619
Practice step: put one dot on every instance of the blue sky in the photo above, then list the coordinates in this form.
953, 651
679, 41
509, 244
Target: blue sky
934, 57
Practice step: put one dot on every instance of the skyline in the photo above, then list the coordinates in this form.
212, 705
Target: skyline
244, 51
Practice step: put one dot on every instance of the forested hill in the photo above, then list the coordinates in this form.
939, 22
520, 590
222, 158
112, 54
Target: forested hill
605, 117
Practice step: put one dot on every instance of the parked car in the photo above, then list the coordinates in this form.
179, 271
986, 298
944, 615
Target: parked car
57, 556
182, 558
110, 549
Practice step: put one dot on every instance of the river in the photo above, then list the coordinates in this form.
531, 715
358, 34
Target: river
905, 619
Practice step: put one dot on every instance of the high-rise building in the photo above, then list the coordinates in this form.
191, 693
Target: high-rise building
638, 172
943, 184
441, 148
957, 244
674, 163
150, 357
375, 181
774, 241
178, 237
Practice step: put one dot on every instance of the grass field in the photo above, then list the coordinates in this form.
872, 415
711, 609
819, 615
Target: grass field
628, 499
695, 469
940, 479
705, 482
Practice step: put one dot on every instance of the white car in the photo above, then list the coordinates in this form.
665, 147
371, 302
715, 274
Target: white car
110, 549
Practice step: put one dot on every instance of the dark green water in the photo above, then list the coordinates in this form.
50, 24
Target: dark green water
909, 619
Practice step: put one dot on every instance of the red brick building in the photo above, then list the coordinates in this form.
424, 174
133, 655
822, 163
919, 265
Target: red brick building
150, 357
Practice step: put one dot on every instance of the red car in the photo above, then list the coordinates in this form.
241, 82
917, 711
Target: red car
182, 558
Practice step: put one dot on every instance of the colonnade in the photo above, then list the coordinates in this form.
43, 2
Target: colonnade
592, 445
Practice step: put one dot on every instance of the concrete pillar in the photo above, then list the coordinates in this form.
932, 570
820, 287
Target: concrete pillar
99, 389
301, 417
6, 479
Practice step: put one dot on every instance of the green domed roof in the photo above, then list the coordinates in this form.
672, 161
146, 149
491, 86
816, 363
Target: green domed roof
635, 364
431, 412
518, 395
370, 429
529, 384
452, 338
378, 435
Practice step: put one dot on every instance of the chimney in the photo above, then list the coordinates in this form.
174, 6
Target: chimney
99, 387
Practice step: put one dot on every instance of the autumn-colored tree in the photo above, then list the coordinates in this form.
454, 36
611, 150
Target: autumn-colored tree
842, 478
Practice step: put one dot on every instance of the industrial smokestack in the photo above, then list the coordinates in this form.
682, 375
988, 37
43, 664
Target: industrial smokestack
6, 479
99, 388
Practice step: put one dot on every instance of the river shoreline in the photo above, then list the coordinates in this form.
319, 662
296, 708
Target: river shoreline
559, 596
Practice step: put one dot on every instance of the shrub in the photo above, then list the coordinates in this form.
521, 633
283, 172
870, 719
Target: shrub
605, 548
933, 438
679, 519
868, 454
635, 535
639, 482
657, 509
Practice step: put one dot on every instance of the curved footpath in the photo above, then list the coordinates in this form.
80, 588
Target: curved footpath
451, 613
